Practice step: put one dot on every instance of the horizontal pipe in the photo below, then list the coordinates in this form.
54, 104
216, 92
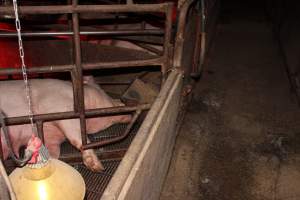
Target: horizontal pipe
77, 158
115, 139
44, 69
86, 66
67, 9
122, 64
113, 83
98, 33
72, 115
149, 48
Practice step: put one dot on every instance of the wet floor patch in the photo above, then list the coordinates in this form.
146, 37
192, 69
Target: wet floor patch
277, 167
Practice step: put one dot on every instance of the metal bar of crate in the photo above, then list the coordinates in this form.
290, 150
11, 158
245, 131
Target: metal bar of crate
179, 40
41, 69
167, 43
122, 64
97, 33
85, 66
40, 131
77, 158
115, 139
40, 119
69, 9
75, 91
77, 76
90, 113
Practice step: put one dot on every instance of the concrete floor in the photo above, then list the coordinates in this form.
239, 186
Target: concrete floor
241, 136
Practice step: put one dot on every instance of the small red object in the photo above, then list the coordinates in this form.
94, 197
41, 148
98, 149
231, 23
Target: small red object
34, 145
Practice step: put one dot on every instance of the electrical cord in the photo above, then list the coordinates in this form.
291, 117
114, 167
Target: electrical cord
28, 153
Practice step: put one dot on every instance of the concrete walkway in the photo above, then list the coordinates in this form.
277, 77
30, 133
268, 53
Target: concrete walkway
241, 136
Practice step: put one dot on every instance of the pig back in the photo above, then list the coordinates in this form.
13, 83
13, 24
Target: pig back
47, 95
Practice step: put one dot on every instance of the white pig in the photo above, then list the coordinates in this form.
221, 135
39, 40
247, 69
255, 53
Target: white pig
124, 43
50, 96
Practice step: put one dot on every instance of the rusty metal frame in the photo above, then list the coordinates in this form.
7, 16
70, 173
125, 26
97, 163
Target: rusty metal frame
78, 66
98, 33
180, 39
202, 33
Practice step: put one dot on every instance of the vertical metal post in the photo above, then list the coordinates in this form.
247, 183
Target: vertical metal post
72, 54
40, 131
78, 73
74, 84
167, 42
168, 28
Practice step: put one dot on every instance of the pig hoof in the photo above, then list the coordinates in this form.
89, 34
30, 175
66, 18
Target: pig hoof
91, 161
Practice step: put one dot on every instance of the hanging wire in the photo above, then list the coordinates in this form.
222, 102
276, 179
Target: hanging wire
19, 161
39, 154
24, 70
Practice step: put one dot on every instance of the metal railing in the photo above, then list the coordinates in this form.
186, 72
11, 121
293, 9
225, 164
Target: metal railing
76, 69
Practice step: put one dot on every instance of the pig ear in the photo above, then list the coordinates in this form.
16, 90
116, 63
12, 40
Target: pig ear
88, 80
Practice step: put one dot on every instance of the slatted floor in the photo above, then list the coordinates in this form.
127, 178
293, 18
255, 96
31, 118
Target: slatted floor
97, 182
113, 131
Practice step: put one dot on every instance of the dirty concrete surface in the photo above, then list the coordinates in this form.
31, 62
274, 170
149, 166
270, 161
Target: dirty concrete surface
240, 138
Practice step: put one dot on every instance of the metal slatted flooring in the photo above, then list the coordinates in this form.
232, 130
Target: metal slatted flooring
113, 131
97, 182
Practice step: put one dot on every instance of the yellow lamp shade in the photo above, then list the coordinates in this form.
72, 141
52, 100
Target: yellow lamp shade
55, 180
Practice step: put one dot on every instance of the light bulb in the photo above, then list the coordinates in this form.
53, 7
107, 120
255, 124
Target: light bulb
48, 179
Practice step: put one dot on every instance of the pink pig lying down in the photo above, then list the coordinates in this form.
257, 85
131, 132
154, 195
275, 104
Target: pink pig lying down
50, 96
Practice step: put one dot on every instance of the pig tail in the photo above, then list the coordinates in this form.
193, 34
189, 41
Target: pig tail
28, 154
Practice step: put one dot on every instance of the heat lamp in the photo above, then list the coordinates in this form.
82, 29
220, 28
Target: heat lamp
45, 178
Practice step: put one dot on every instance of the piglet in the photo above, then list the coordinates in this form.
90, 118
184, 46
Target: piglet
50, 96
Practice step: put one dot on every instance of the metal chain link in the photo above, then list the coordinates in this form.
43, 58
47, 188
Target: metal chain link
24, 70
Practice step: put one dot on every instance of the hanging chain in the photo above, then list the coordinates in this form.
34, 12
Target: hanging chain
24, 70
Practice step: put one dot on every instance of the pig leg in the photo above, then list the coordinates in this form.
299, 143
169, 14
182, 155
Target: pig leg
54, 150
71, 128
90, 159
